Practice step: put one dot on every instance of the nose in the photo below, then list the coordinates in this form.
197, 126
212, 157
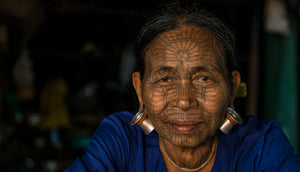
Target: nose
185, 99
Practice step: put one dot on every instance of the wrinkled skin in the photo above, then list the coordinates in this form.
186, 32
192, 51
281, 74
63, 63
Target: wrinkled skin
186, 87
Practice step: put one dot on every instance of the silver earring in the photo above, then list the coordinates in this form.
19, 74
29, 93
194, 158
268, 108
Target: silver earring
232, 119
141, 119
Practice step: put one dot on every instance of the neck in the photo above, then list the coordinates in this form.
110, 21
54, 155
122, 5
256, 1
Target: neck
188, 159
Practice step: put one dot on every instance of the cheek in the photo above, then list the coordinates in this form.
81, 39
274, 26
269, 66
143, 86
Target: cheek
155, 98
212, 99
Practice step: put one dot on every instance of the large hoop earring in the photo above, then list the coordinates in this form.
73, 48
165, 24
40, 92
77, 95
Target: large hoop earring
232, 119
141, 119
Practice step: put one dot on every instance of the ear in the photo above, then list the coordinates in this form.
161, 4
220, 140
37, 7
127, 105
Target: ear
137, 84
235, 82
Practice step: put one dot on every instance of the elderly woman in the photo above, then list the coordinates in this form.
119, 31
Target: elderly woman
186, 84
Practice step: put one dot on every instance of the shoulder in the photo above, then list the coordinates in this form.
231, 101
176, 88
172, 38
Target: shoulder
123, 117
260, 145
116, 125
252, 130
263, 134
113, 145
256, 127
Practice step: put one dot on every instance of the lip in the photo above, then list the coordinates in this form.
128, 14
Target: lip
184, 127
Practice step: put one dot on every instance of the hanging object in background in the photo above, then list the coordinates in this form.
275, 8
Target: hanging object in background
242, 90
23, 77
54, 111
53, 106
276, 17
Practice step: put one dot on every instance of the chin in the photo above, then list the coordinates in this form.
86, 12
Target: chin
187, 140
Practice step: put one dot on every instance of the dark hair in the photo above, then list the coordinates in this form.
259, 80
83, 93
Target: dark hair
173, 16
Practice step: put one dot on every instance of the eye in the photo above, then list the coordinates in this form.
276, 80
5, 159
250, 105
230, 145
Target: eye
165, 79
202, 79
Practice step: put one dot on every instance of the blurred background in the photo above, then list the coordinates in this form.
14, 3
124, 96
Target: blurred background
66, 64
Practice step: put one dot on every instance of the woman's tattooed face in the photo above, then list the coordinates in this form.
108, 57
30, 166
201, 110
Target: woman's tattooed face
185, 89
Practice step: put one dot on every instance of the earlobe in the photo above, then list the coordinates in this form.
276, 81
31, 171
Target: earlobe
137, 84
236, 79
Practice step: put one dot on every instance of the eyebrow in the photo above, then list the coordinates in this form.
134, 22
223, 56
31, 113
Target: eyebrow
164, 69
168, 69
199, 68
204, 68
193, 69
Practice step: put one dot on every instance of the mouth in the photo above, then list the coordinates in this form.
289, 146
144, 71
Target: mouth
184, 127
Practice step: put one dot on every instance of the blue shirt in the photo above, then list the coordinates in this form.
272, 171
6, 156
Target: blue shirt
253, 146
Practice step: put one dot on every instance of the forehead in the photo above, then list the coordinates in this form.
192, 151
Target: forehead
185, 44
